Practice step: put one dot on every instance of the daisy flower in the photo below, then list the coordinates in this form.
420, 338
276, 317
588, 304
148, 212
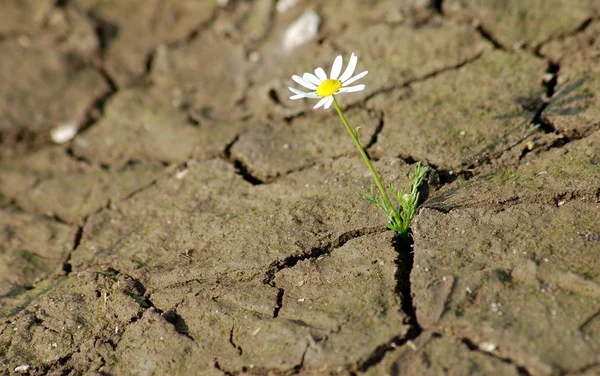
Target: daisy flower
325, 88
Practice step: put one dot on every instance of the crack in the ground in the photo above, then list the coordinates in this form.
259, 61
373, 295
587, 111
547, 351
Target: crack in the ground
487, 35
253, 370
67, 267
193, 34
298, 367
412, 81
379, 353
436, 5
79, 234
537, 51
240, 167
316, 252
105, 30
51, 368
438, 202
96, 110
227, 149
313, 253
278, 301
221, 279
439, 177
167, 172
220, 368
178, 322
309, 165
61, 3
541, 122
70, 152
404, 265
591, 318
142, 298
521, 369
538, 121
237, 347
550, 86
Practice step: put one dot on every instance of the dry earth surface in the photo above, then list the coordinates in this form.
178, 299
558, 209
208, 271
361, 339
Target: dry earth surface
200, 223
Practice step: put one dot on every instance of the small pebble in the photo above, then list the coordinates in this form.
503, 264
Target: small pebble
254, 57
22, 368
284, 5
181, 174
63, 133
303, 30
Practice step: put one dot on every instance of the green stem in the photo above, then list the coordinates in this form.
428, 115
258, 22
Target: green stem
354, 136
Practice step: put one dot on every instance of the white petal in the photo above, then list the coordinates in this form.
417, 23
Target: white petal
321, 102
298, 92
294, 97
329, 102
302, 94
350, 69
321, 74
311, 78
357, 77
303, 82
336, 68
352, 89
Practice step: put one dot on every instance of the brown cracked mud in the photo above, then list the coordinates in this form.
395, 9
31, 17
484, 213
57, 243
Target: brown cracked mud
201, 223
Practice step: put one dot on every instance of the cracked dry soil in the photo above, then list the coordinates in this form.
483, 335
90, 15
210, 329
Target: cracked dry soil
200, 223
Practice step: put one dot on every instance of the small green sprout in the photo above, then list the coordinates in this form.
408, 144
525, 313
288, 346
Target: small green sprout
325, 88
408, 200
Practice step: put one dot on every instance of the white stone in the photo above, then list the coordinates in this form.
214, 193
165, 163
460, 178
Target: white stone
302, 31
488, 346
22, 368
63, 133
284, 5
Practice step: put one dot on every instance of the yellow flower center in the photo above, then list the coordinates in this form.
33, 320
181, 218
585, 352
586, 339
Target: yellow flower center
329, 87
